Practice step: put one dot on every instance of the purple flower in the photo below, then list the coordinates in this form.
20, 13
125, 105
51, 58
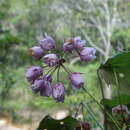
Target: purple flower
83, 125
77, 80
78, 43
58, 92
47, 43
43, 85
36, 52
33, 73
74, 44
38, 83
120, 109
68, 45
47, 78
88, 54
46, 89
86, 126
51, 59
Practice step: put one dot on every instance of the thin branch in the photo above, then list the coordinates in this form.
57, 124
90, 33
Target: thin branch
100, 29
92, 115
92, 44
115, 13
100, 105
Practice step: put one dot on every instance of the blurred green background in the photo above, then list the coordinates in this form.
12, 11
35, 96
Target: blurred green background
101, 24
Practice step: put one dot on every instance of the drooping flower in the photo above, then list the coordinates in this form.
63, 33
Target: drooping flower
88, 54
86, 126
77, 80
83, 125
58, 92
68, 45
47, 43
51, 59
37, 52
120, 109
74, 44
78, 43
46, 89
38, 83
33, 73
43, 85
47, 78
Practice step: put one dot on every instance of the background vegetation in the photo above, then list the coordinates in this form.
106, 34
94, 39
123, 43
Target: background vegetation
23, 21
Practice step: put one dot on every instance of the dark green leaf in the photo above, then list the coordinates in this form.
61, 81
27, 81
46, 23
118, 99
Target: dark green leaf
49, 123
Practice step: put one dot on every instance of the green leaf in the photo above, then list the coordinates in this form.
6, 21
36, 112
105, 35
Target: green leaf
48, 123
118, 61
125, 99
121, 65
116, 73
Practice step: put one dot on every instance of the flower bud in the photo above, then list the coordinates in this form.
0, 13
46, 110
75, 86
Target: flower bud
33, 73
58, 92
38, 83
120, 109
51, 59
77, 80
46, 89
88, 54
78, 43
47, 43
86, 126
83, 126
43, 85
68, 45
47, 78
36, 52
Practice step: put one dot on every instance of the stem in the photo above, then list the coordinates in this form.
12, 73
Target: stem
78, 52
83, 111
69, 69
101, 85
54, 70
104, 111
58, 73
118, 92
65, 69
115, 122
78, 110
51, 69
93, 116
93, 98
45, 66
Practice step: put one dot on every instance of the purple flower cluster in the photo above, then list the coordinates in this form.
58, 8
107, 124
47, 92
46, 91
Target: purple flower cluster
41, 79
78, 45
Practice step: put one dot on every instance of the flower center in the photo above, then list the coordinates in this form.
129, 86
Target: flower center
61, 61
